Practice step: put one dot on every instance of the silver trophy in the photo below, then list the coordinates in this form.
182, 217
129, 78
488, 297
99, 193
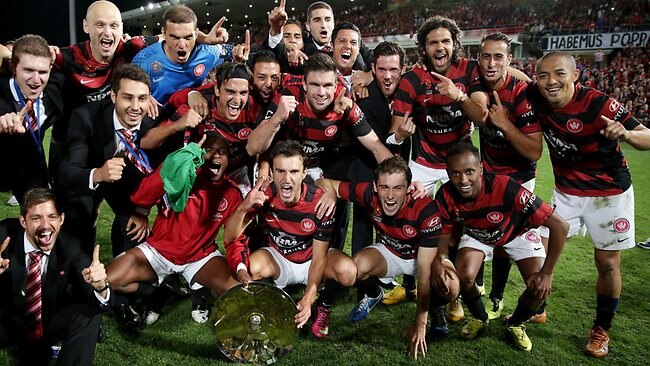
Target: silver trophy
255, 324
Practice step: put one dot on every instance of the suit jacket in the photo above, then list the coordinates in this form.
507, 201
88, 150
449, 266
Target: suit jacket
62, 286
22, 162
90, 142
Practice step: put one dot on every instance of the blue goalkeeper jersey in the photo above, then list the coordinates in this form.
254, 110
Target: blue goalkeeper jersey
168, 77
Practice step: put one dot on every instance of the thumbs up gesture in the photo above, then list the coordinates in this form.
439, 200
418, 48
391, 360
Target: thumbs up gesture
95, 274
4, 263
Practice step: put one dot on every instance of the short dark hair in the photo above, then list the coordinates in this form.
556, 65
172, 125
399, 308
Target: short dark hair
318, 5
463, 147
228, 70
498, 37
319, 62
131, 72
294, 21
387, 48
394, 165
345, 25
213, 137
36, 196
179, 14
436, 22
264, 56
561, 54
29, 44
288, 148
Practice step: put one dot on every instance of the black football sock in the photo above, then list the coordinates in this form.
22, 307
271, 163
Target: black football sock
408, 282
605, 310
479, 275
523, 312
476, 307
500, 272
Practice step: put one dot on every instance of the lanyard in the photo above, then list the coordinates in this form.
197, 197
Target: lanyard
141, 158
37, 105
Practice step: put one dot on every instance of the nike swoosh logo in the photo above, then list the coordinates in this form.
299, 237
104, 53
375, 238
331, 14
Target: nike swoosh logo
85, 82
158, 79
622, 240
537, 248
426, 100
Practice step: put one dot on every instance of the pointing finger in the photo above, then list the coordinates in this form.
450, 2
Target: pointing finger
200, 143
283, 4
247, 42
220, 22
607, 120
406, 117
496, 97
4, 245
441, 77
25, 110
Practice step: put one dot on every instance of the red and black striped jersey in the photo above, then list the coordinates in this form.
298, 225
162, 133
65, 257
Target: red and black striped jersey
417, 223
292, 230
88, 80
585, 163
503, 210
440, 121
317, 131
188, 236
236, 132
497, 153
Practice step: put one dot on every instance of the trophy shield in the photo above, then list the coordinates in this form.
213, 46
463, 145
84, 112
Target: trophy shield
255, 324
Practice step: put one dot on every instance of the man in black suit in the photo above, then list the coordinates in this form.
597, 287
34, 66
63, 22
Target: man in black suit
30, 102
103, 160
51, 292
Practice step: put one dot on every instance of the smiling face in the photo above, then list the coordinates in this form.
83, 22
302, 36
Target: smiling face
233, 96
216, 159
345, 49
319, 88
556, 77
288, 173
131, 102
42, 223
180, 39
320, 25
438, 49
465, 173
266, 79
388, 71
493, 60
392, 189
32, 74
103, 24
292, 35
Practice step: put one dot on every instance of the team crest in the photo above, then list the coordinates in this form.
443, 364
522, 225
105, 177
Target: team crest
89, 67
307, 225
331, 131
495, 217
574, 125
243, 133
614, 105
621, 225
408, 231
156, 66
223, 205
199, 69
533, 237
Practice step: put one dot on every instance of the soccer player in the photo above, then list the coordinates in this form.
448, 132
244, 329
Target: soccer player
510, 140
495, 211
178, 62
184, 232
583, 129
403, 224
298, 240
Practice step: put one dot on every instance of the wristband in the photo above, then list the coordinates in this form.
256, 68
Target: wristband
391, 140
462, 97
106, 284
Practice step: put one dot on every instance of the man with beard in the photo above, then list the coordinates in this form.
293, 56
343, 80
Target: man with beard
495, 211
511, 140
183, 241
177, 62
297, 240
403, 225
583, 129
103, 160
232, 114
51, 291
29, 105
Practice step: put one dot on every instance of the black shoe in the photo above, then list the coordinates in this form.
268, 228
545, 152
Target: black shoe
644, 244
129, 318
176, 286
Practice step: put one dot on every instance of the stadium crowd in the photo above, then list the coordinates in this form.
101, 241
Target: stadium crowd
274, 144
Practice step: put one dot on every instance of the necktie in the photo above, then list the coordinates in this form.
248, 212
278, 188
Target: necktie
33, 308
327, 50
32, 124
133, 151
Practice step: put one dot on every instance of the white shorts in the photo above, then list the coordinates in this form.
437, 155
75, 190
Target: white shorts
163, 267
290, 273
240, 177
395, 265
527, 245
609, 220
431, 178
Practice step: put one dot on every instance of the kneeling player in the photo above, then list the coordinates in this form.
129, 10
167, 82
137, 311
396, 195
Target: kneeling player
403, 223
496, 211
184, 241
298, 241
